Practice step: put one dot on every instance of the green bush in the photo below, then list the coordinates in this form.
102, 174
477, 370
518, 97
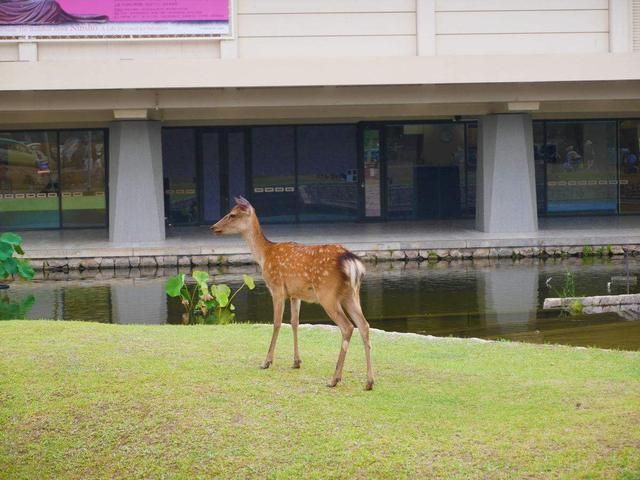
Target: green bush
11, 264
204, 304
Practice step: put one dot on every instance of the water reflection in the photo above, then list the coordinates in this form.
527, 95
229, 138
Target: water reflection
488, 299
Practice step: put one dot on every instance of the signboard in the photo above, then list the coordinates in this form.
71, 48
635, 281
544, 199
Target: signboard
113, 18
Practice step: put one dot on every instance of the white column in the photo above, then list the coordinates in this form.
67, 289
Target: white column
426, 27
620, 26
136, 198
506, 183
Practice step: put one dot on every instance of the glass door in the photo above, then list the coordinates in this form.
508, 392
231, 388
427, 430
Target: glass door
273, 173
82, 160
629, 168
328, 184
371, 172
403, 146
210, 147
29, 180
223, 170
581, 167
428, 170
180, 176
236, 154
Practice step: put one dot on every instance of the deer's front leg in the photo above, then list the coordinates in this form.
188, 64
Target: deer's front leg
278, 311
295, 321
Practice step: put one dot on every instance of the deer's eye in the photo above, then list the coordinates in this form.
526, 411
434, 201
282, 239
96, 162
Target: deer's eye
232, 215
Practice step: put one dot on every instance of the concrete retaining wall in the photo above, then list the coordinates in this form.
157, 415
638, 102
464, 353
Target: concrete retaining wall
373, 256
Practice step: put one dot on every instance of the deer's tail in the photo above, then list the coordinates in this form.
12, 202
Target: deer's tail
353, 268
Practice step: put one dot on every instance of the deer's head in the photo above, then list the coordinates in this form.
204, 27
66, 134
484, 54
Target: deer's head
238, 220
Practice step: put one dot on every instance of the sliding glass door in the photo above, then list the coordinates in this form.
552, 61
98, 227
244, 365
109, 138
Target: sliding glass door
429, 171
53, 179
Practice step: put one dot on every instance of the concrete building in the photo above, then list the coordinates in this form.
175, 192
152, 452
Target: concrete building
329, 110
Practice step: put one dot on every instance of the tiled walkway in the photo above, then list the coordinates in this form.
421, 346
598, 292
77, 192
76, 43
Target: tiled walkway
391, 236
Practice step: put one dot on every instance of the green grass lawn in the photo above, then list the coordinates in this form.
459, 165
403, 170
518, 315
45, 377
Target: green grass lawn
83, 400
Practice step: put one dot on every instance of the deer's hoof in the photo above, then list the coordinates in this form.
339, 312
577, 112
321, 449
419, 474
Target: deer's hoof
266, 364
369, 385
333, 382
296, 364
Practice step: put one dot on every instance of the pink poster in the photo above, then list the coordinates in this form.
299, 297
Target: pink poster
150, 10
77, 18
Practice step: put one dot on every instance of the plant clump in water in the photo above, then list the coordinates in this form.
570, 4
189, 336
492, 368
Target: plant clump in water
203, 303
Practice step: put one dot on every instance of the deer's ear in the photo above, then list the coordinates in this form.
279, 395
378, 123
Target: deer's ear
243, 204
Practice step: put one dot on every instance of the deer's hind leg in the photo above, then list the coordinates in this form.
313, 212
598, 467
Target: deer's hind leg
295, 321
335, 312
353, 308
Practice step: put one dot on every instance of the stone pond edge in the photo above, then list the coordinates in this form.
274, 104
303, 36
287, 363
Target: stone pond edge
371, 256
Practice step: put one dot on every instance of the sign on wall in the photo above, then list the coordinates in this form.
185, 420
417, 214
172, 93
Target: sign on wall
113, 18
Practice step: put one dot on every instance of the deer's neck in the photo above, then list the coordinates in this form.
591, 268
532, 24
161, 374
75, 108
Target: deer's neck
257, 242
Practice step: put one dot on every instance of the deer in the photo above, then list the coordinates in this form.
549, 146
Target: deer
326, 274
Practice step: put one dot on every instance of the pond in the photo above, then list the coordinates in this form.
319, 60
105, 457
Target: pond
490, 299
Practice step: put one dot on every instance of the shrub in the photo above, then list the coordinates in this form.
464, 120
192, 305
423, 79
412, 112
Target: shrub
204, 304
11, 263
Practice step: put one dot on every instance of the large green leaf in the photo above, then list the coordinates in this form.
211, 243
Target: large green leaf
248, 281
10, 265
11, 238
225, 317
25, 270
200, 276
221, 293
174, 285
201, 279
6, 251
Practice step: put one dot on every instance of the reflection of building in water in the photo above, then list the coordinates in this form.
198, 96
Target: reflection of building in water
508, 294
139, 301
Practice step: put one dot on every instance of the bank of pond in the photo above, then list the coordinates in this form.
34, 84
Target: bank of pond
493, 299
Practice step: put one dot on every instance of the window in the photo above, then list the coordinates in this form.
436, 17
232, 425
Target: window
328, 183
629, 166
180, 176
581, 170
53, 179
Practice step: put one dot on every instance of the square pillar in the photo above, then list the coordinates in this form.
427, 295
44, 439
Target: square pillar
506, 185
136, 197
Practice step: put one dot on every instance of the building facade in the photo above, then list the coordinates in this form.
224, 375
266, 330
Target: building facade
329, 110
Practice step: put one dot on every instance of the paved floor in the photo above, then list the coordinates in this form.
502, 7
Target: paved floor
356, 236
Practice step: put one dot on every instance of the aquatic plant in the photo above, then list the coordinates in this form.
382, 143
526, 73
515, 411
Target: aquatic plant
568, 291
11, 263
575, 307
203, 303
569, 286
587, 251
